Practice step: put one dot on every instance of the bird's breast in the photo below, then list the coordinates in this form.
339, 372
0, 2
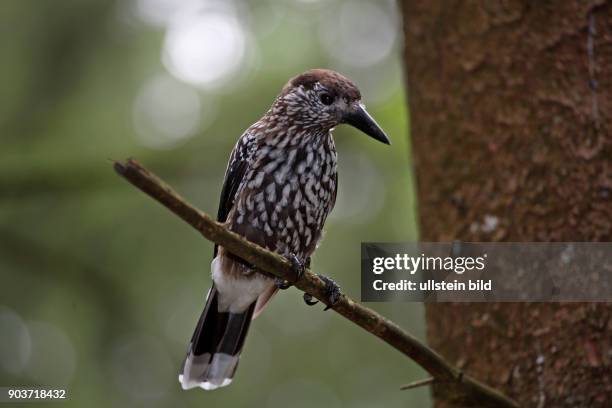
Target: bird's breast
286, 197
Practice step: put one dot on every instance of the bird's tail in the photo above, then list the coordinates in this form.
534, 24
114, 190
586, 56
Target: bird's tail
215, 347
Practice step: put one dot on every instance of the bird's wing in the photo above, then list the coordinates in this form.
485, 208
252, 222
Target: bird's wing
236, 170
334, 193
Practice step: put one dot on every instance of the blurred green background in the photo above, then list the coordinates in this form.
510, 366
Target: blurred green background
100, 286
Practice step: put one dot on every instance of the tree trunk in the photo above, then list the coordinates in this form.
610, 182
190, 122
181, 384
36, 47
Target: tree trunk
510, 109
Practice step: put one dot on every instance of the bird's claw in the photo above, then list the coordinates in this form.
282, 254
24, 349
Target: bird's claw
332, 292
308, 300
298, 268
281, 283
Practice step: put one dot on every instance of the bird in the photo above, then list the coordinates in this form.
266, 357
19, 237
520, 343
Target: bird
280, 185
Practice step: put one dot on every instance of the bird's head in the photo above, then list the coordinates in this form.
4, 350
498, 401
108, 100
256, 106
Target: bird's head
321, 98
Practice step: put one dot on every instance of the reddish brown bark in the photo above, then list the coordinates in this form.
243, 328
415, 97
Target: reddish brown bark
510, 109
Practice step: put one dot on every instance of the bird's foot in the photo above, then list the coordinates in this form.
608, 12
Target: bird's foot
298, 268
281, 283
308, 299
332, 292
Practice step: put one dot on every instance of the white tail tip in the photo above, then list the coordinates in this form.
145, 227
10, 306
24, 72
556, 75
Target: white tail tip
200, 371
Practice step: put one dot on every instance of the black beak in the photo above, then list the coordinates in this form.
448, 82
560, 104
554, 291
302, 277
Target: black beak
361, 119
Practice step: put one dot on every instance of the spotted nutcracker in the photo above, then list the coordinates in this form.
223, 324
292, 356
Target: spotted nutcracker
280, 186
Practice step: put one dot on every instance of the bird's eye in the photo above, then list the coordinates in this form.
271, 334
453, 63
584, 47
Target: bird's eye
326, 98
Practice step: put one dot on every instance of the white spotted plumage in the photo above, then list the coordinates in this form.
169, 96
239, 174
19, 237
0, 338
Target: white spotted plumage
285, 183
280, 186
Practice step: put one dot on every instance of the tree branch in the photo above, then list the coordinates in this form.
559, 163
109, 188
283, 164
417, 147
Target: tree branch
466, 388
417, 384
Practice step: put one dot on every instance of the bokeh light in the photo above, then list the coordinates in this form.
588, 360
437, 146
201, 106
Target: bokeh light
53, 358
362, 34
161, 12
15, 342
167, 112
205, 48
141, 368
